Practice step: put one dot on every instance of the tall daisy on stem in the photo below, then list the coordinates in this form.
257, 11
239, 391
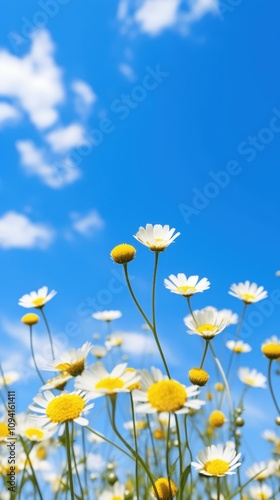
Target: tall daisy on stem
38, 300
271, 350
31, 319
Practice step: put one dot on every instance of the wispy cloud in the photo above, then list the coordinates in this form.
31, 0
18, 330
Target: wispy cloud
18, 231
87, 224
154, 16
32, 87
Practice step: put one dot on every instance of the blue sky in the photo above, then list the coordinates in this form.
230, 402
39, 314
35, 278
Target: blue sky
115, 116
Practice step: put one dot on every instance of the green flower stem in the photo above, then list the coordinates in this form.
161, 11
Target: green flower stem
110, 442
224, 379
112, 416
68, 450
271, 388
48, 330
236, 338
152, 440
218, 489
136, 445
190, 308
144, 315
33, 355
179, 444
85, 458
167, 454
205, 352
27, 453
74, 459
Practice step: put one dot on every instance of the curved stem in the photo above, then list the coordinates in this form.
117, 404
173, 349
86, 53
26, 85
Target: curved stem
33, 356
144, 315
271, 388
236, 338
68, 450
27, 453
204, 354
223, 377
110, 442
136, 445
137, 456
49, 331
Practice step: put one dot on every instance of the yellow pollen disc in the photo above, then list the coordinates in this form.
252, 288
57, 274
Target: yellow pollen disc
217, 418
250, 381
216, 467
271, 351
167, 395
198, 376
166, 488
73, 369
207, 329
110, 384
34, 434
238, 349
65, 407
187, 290
159, 434
122, 254
4, 431
262, 496
39, 302
41, 453
219, 386
141, 425
30, 319
116, 498
248, 298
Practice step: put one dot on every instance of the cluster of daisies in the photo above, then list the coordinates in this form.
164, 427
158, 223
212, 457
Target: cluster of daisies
154, 393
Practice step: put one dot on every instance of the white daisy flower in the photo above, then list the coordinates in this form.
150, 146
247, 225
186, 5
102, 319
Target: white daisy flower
107, 315
184, 286
227, 314
9, 378
248, 292
160, 394
217, 460
157, 238
262, 492
252, 378
114, 340
58, 382
97, 381
72, 361
98, 351
206, 322
31, 428
36, 299
270, 436
115, 492
57, 410
260, 470
238, 346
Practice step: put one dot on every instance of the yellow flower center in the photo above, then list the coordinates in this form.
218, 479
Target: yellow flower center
30, 319
271, 351
261, 496
208, 330
4, 431
248, 298
39, 302
187, 290
250, 381
65, 407
217, 418
219, 387
159, 434
238, 349
166, 488
110, 384
198, 376
116, 498
167, 395
216, 467
41, 453
34, 434
136, 385
73, 369
122, 254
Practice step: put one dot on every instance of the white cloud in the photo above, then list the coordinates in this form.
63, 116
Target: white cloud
85, 96
54, 172
63, 139
18, 231
8, 113
155, 16
87, 224
127, 71
34, 81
